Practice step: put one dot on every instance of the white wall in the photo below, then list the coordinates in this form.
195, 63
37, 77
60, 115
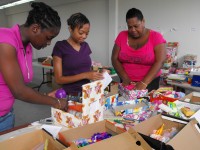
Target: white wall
107, 19
164, 15
3, 19
95, 10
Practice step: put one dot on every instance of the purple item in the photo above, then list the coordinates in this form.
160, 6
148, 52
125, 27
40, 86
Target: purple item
60, 93
100, 136
73, 62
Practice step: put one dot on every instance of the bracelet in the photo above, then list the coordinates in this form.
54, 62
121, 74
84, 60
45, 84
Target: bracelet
144, 83
59, 103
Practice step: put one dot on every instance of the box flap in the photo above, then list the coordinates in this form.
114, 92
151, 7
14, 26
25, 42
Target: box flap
187, 138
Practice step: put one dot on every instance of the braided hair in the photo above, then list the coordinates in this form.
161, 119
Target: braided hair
134, 12
43, 15
77, 20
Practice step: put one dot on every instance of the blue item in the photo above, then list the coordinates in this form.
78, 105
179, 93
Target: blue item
196, 80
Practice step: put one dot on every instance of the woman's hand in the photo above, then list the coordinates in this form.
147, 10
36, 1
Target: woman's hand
140, 86
61, 104
126, 82
52, 94
92, 75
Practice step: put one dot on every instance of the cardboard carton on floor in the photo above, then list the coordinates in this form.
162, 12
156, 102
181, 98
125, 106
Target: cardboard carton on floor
92, 111
120, 139
31, 141
193, 97
187, 138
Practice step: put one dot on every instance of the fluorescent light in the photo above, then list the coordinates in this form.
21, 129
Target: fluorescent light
15, 3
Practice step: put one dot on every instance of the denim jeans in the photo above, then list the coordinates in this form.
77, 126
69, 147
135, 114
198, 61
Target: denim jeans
7, 121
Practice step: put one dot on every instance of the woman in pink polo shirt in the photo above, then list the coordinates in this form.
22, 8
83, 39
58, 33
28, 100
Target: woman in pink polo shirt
139, 53
42, 25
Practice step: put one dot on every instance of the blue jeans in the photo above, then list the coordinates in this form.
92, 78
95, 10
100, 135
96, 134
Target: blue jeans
7, 121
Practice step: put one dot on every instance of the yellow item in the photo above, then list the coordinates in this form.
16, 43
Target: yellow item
160, 130
46, 144
187, 111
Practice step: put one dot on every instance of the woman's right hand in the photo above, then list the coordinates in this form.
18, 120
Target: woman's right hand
126, 82
93, 75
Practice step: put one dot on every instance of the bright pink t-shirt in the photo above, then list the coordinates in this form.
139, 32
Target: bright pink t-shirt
137, 63
12, 37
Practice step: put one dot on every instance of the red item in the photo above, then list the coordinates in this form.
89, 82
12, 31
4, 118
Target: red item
77, 108
163, 98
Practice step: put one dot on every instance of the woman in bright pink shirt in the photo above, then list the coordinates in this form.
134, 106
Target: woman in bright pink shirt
42, 25
139, 53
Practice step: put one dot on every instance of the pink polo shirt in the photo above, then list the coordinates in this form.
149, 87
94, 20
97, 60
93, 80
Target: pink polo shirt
12, 37
137, 63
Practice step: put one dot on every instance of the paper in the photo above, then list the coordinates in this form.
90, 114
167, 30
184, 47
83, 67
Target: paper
52, 129
94, 106
107, 79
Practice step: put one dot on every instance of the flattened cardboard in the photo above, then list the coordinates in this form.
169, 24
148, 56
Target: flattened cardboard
30, 140
188, 138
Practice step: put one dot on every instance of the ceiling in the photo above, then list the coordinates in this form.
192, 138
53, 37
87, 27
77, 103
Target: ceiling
49, 2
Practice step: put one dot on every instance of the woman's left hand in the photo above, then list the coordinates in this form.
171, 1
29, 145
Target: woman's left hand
140, 86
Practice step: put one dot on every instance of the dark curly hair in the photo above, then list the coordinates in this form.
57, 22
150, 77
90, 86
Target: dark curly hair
43, 15
134, 12
77, 20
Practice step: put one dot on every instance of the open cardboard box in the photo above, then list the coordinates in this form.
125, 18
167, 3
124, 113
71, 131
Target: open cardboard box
120, 139
193, 97
155, 122
31, 140
92, 111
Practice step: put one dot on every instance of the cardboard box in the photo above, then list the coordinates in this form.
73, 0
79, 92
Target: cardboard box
120, 139
31, 140
193, 97
155, 122
187, 138
146, 127
92, 111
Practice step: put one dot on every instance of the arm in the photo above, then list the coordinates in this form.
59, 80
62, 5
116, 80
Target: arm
13, 77
60, 79
160, 56
118, 66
